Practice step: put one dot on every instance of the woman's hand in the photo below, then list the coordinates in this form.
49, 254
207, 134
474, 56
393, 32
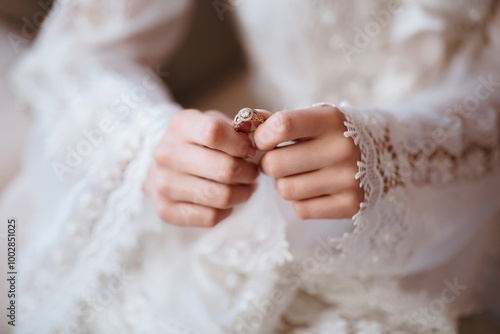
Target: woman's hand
199, 170
318, 172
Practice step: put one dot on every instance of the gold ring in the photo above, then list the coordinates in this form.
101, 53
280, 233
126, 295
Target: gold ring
247, 115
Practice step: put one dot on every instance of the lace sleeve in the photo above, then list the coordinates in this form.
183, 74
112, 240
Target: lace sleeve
91, 81
430, 172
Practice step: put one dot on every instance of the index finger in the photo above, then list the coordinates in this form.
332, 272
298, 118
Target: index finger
295, 124
217, 133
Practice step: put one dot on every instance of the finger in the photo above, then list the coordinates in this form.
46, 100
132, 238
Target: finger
219, 115
192, 189
303, 157
188, 214
207, 163
214, 132
341, 205
318, 183
295, 124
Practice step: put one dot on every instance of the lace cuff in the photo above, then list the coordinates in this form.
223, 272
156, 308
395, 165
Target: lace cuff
410, 171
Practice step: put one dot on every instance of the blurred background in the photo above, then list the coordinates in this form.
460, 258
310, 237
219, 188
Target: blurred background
219, 79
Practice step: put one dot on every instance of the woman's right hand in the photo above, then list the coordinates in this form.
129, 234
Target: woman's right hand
199, 171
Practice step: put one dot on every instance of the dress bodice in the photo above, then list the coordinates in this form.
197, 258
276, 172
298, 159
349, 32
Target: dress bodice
368, 53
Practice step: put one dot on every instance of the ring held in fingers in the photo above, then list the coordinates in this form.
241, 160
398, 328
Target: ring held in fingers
247, 115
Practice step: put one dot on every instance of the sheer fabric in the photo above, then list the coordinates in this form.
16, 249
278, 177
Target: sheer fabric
101, 261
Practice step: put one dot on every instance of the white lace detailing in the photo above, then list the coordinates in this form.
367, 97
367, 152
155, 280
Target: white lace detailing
395, 158
93, 238
92, 221
109, 116
441, 158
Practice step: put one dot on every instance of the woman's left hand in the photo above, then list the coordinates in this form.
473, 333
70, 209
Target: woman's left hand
318, 172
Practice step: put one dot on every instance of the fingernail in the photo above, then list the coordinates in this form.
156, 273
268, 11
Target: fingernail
252, 152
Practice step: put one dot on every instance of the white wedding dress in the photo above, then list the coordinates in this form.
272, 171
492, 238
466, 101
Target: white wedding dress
421, 79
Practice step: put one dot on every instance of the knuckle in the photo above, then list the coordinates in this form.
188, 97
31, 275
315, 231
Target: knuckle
230, 169
212, 132
164, 154
224, 197
301, 210
206, 194
234, 168
163, 186
159, 154
286, 189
